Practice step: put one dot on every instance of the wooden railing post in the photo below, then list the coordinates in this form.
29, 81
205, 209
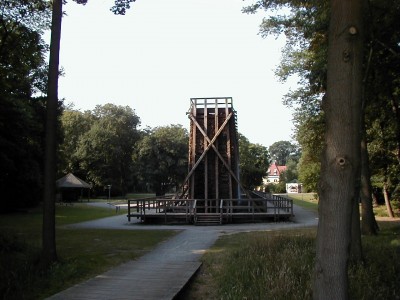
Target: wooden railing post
129, 210
221, 210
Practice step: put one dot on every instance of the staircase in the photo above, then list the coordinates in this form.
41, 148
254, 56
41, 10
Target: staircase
207, 219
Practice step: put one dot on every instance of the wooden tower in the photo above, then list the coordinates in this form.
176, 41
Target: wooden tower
211, 193
213, 150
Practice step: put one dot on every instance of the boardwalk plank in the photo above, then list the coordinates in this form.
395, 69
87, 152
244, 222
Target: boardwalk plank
135, 280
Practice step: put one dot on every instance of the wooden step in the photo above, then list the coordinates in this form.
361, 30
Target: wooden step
208, 219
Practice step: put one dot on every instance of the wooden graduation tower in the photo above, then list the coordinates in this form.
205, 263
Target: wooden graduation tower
211, 192
213, 150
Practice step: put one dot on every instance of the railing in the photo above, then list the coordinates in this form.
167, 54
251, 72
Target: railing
194, 210
138, 207
279, 203
269, 205
282, 204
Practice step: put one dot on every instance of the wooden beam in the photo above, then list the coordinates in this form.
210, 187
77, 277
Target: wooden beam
208, 147
211, 143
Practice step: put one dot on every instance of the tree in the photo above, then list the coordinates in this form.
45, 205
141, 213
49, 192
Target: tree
382, 112
369, 226
74, 124
21, 152
104, 151
383, 160
254, 163
49, 252
161, 158
305, 26
22, 60
310, 133
120, 6
341, 158
282, 151
291, 173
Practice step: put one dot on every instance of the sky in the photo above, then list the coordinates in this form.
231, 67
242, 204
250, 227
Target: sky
162, 53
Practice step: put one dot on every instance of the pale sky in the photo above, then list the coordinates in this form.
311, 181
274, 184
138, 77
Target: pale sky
162, 53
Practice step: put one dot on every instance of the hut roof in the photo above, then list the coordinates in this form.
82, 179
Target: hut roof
71, 181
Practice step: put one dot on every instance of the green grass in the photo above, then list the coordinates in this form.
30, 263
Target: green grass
381, 210
305, 200
82, 253
279, 265
28, 225
310, 201
140, 196
311, 197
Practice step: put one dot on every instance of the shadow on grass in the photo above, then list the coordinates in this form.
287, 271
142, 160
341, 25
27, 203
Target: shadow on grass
83, 253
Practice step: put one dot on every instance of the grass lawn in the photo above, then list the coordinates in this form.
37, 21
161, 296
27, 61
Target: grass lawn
82, 253
310, 201
279, 265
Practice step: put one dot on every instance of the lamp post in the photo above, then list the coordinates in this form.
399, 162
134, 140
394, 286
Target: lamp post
109, 191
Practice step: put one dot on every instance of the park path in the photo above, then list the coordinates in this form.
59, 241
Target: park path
163, 272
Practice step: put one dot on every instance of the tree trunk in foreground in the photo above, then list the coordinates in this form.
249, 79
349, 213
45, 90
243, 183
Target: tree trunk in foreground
341, 158
49, 253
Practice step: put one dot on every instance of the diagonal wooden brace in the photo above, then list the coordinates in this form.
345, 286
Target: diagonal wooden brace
211, 143
208, 147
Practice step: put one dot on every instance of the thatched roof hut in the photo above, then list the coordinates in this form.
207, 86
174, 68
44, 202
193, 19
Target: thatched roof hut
71, 187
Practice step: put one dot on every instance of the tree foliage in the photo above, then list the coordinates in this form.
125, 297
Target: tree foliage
74, 125
22, 65
161, 158
382, 90
305, 25
254, 162
120, 6
283, 151
98, 145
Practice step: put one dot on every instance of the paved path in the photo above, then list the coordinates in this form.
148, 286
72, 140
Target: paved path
162, 273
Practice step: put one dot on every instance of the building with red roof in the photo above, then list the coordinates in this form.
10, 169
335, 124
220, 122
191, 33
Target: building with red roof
273, 173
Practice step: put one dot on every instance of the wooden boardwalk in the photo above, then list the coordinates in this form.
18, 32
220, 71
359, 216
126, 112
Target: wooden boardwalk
160, 274
134, 280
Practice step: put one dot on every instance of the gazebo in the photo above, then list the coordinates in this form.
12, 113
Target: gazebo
71, 187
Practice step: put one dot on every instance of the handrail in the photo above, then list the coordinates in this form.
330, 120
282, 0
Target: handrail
221, 210
271, 205
194, 210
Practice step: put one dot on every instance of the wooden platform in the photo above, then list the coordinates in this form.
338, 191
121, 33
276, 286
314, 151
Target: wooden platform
210, 211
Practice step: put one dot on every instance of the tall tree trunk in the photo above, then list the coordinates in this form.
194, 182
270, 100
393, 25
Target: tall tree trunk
387, 200
49, 253
341, 158
369, 226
